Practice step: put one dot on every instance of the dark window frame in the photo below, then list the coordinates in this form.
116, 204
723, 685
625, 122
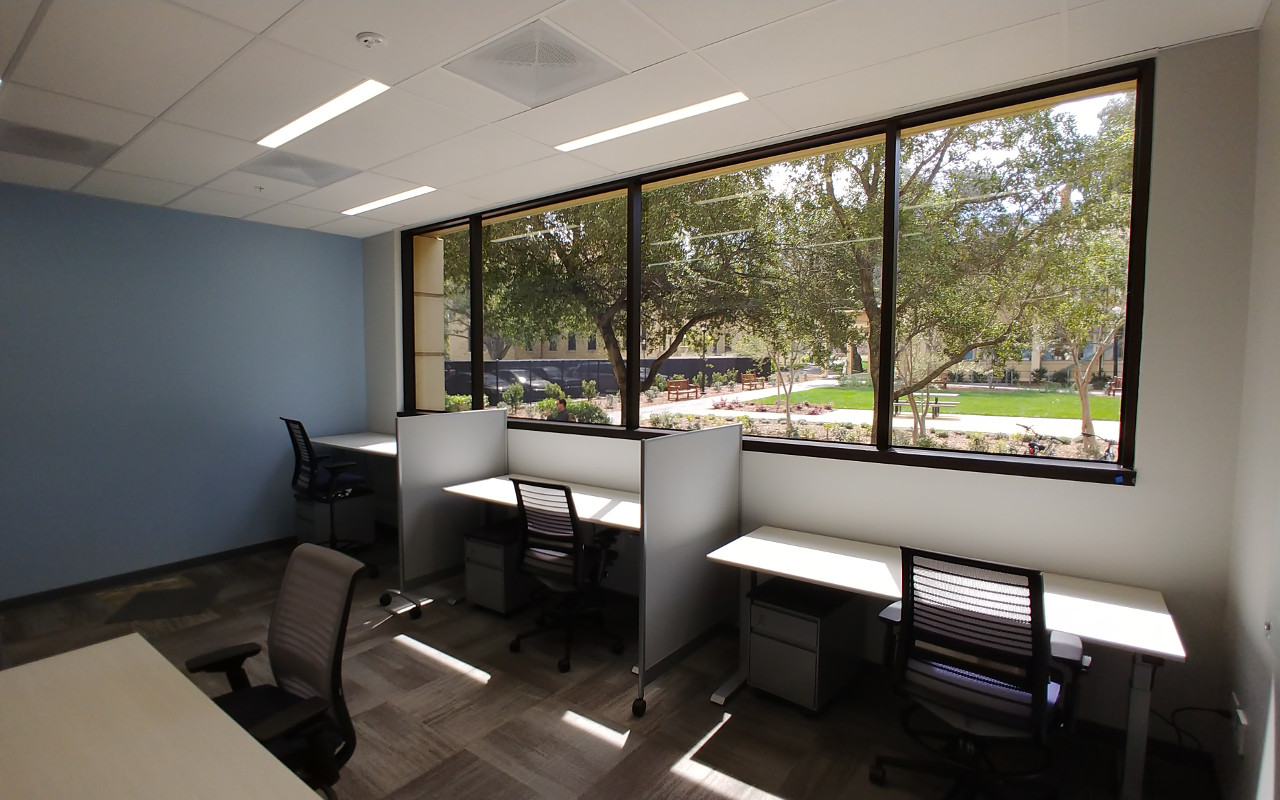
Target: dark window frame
1142, 73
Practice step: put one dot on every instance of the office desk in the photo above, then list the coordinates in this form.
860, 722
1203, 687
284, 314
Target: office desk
1124, 617
379, 444
594, 504
117, 721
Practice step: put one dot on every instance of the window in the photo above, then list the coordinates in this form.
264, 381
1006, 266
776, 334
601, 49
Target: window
442, 291
994, 325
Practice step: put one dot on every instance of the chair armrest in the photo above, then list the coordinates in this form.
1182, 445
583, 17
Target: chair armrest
229, 660
1068, 649
892, 613
289, 720
891, 616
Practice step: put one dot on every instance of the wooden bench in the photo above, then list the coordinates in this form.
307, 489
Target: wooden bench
680, 389
902, 404
752, 381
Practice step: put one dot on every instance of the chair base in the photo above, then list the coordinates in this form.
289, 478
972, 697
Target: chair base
571, 617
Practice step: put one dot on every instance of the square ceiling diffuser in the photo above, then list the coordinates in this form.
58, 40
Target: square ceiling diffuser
535, 65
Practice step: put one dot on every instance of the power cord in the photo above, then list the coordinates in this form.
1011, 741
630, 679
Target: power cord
1179, 732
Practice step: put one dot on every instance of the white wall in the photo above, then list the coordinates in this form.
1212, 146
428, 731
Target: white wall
383, 349
1253, 567
1169, 532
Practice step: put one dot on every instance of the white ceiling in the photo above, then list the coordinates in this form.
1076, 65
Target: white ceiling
186, 87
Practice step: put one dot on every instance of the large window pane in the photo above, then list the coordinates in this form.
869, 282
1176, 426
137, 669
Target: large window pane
773, 272
548, 276
1013, 264
442, 319
457, 319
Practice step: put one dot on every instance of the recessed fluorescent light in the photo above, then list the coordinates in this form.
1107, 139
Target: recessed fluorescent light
338, 105
386, 201
653, 122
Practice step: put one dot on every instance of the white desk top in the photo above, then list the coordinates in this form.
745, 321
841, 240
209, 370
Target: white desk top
1123, 616
116, 721
382, 444
593, 503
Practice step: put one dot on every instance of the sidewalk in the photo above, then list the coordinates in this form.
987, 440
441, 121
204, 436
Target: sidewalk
1069, 428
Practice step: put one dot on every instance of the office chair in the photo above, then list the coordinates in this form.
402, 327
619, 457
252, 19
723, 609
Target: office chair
319, 480
972, 649
557, 551
302, 718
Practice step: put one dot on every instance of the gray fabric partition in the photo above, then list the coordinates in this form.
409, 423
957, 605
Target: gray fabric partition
689, 493
434, 451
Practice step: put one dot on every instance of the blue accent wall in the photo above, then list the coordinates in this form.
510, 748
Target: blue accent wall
145, 357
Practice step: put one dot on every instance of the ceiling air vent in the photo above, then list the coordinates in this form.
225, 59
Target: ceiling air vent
54, 146
297, 169
535, 65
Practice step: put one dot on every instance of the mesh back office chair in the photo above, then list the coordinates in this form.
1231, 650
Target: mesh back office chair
972, 649
556, 549
302, 719
319, 480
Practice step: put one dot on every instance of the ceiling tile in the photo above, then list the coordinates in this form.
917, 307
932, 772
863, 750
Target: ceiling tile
456, 92
294, 216
355, 226
389, 126
471, 155
426, 209
419, 35
132, 188
700, 23
272, 189
84, 50
223, 204
178, 153
255, 15
1121, 27
727, 130
57, 112
30, 171
844, 36
530, 181
673, 84
617, 31
923, 79
354, 191
263, 88
15, 16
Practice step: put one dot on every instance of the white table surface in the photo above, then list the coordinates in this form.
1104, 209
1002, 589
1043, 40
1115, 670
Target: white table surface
594, 503
117, 721
383, 444
1129, 618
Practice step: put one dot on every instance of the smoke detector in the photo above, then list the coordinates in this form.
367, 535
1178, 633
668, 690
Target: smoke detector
535, 65
371, 40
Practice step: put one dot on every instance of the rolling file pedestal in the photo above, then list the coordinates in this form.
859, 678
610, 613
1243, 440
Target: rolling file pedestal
494, 580
804, 641
352, 516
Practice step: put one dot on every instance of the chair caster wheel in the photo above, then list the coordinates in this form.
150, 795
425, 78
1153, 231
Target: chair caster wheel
617, 648
877, 775
638, 707
514, 646
415, 612
384, 600
563, 665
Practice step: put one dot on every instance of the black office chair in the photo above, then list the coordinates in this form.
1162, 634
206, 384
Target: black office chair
302, 719
972, 649
319, 480
558, 551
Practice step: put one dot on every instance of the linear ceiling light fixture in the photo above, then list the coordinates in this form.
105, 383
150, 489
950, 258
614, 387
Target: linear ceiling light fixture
386, 201
338, 105
653, 122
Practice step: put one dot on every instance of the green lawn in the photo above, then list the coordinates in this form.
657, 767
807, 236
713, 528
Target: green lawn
1018, 403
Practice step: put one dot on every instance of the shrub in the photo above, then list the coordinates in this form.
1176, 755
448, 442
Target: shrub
978, 443
457, 402
664, 419
679, 376
730, 376
554, 391
900, 437
660, 382
955, 376
927, 441
586, 411
1062, 376
942, 434
610, 401
589, 390
700, 380
1099, 381
1039, 374
513, 395
651, 392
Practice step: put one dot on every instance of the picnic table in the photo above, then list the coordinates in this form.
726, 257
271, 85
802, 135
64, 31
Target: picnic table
933, 400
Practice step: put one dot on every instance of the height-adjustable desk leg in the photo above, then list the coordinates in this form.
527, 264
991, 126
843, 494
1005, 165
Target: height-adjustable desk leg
1135, 746
747, 582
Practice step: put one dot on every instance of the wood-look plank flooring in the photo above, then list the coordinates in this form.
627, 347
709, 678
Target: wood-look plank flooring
443, 710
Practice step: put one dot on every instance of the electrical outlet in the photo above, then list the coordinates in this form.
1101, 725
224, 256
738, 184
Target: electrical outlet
1239, 721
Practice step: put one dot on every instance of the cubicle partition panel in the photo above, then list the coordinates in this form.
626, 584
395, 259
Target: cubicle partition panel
438, 450
690, 506
594, 460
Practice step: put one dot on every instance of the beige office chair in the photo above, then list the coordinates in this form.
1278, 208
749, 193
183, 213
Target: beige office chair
302, 718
